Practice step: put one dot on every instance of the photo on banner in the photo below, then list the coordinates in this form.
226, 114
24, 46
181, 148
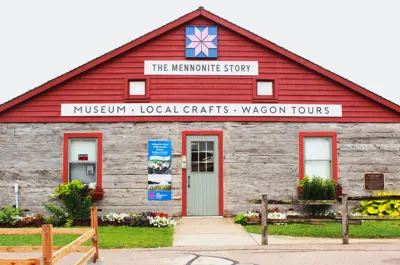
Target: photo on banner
159, 170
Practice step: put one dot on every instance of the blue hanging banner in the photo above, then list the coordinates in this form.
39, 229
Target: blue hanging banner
159, 170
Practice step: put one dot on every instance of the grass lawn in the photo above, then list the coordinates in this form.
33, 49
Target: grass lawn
109, 237
370, 229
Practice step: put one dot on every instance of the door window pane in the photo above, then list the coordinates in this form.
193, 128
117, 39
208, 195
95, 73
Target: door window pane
202, 156
202, 146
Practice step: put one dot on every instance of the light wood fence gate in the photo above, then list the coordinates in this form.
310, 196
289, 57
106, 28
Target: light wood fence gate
52, 254
345, 218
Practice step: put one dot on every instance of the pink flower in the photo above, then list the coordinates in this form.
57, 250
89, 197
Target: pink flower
201, 41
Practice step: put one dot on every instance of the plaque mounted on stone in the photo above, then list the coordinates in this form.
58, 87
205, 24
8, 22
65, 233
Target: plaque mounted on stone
374, 181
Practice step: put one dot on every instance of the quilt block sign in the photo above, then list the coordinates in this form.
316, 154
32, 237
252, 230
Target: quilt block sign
201, 42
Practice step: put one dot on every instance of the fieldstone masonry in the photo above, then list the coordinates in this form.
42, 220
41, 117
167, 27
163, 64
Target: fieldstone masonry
258, 158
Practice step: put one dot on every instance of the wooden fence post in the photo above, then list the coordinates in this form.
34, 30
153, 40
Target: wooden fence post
47, 244
95, 225
264, 220
345, 219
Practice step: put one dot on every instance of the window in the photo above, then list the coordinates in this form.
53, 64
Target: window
318, 155
202, 156
137, 88
265, 90
83, 158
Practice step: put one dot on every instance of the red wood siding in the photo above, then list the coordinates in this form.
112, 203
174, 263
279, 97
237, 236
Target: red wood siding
105, 84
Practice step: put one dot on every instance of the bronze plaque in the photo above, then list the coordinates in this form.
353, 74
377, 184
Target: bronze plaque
374, 181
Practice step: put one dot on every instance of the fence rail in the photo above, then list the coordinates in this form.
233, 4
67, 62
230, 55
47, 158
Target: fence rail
52, 254
38, 231
345, 218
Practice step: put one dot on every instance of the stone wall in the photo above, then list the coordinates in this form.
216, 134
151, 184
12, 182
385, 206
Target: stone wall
258, 158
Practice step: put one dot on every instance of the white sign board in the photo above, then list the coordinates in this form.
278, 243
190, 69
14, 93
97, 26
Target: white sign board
180, 109
248, 68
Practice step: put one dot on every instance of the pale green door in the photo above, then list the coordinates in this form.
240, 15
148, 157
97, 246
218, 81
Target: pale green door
202, 175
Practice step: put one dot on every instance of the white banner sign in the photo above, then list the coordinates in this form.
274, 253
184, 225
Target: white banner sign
258, 110
200, 68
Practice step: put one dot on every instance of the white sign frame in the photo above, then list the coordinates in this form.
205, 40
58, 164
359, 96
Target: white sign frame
189, 67
213, 110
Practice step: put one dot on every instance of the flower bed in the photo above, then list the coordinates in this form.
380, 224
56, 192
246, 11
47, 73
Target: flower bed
254, 217
11, 218
145, 219
76, 200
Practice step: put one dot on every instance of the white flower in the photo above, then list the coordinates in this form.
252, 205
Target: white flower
92, 185
115, 217
358, 214
276, 215
161, 221
251, 215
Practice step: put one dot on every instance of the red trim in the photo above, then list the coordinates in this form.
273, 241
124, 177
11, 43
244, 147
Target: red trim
136, 98
220, 166
334, 151
275, 90
99, 136
182, 20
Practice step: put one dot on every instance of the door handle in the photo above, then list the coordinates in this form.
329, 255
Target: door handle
188, 181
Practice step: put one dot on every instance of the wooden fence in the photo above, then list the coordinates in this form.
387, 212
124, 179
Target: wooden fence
345, 219
52, 254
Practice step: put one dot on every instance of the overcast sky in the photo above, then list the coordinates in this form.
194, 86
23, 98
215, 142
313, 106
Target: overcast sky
357, 39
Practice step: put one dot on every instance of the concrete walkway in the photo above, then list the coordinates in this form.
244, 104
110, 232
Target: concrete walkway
210, 232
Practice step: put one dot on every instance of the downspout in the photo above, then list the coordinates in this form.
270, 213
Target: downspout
16, 195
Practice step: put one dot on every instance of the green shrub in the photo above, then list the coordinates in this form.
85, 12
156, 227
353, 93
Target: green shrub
69, 222
240, 219
381, 207
316, 188
77, 200
56, 211
8, 214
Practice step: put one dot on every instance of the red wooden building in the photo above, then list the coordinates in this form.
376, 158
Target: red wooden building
243, 115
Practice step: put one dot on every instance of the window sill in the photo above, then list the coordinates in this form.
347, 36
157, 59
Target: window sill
265, 100
137, 99
97, 194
